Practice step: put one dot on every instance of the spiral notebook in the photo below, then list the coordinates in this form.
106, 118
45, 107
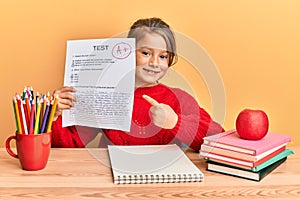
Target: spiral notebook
152, 164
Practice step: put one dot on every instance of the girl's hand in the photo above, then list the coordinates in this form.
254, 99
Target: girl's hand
65, 100
162, 114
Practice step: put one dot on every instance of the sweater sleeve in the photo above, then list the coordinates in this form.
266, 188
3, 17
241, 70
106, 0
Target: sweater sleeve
194, 123
72, 136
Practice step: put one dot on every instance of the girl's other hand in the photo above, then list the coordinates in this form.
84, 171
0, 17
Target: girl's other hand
66, 100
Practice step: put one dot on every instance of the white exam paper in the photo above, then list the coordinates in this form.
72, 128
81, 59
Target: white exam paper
102, 71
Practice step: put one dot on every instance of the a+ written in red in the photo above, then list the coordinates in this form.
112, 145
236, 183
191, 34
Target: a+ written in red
121, 50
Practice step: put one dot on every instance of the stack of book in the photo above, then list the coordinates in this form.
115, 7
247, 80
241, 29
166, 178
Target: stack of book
227, 153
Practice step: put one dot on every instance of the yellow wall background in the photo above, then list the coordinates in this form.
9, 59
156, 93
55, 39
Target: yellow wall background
254, 44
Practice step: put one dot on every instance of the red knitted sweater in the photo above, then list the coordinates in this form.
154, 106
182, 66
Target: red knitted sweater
193, 123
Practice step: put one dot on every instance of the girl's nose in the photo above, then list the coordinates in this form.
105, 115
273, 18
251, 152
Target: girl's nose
153, 61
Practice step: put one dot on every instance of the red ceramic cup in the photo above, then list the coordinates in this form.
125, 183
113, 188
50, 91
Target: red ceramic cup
32, 150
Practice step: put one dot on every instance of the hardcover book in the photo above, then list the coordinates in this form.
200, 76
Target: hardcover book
241, 162
206, 151
272, 160
256, 176
230, 140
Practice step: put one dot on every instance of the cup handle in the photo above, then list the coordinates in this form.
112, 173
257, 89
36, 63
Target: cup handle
8, 149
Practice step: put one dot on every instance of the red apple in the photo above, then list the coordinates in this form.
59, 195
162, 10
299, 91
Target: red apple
252, 124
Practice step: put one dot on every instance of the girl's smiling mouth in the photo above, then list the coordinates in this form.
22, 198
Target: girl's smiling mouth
150, 71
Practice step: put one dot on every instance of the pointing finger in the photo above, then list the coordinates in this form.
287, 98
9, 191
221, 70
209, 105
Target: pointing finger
152, 101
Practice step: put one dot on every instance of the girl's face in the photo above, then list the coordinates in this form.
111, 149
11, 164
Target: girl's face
151, 60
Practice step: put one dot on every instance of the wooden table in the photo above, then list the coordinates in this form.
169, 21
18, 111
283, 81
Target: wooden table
85, 174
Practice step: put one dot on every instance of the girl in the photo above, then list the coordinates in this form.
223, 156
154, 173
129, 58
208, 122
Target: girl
161, 115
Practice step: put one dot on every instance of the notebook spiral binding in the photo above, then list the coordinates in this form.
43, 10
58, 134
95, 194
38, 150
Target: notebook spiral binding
173, 178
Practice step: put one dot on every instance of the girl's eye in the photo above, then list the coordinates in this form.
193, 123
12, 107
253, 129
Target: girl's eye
164, 57
145, 53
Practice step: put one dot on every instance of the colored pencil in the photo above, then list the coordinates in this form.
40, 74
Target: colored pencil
20, 114
43, 109
37, 117
45, 117
32, 112
31, 92
27, 103
24, 118
44, 103
28, 93
27, 116
17, 114
24, 92
36, 100
48, 95
51, 116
